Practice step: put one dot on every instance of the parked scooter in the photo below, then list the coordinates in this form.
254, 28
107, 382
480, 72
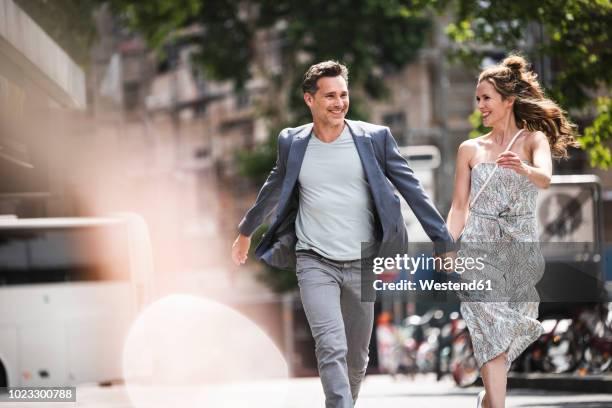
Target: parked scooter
554, 352
412, 346
594, 332
582, 343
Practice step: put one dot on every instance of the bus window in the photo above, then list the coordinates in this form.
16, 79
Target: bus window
92, 253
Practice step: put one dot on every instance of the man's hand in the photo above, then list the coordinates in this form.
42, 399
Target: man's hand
240, 249
446, 261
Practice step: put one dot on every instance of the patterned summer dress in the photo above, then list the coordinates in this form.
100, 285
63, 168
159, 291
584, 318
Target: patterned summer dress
501, 229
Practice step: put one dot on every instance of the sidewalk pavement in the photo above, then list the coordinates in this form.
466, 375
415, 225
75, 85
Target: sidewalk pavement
378, 391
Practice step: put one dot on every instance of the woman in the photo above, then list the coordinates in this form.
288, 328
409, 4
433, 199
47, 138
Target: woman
496, 185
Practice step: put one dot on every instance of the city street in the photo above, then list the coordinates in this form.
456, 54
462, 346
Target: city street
378, 391
164, 166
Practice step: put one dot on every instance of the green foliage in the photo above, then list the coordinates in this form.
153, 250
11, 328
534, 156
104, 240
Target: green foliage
372, 37
224, 42
598, 135
478, 129
574, 34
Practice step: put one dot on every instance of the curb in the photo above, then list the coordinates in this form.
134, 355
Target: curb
562, 382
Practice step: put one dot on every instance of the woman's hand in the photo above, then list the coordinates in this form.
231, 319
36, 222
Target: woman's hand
511, 160
541, 171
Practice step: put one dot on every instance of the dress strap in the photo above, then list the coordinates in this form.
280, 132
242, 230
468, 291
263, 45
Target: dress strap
494, 169
513, 139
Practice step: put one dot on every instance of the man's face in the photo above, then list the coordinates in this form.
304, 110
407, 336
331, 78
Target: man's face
330, 103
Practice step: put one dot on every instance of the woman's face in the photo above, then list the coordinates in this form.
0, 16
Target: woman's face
493, 108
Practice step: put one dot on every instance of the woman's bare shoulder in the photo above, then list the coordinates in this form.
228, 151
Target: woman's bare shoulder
467, 149
471, 145
535, 137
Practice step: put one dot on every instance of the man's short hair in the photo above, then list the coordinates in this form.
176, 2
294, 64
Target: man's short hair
322, 69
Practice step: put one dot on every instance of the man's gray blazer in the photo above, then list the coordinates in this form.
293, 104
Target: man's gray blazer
382, 163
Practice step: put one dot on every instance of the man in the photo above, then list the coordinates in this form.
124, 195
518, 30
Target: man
331, 190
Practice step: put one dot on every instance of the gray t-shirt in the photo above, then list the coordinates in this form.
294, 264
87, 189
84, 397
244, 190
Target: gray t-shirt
336, 209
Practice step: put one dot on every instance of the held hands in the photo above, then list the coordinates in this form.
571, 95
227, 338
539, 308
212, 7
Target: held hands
511, 160
446, 262
240, 249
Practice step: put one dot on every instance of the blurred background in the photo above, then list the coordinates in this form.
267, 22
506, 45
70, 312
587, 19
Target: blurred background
135, 135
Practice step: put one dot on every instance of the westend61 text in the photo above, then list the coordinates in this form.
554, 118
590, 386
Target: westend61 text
412, 264
429, 285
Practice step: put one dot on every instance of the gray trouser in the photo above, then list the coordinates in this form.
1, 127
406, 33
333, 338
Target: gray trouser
340, 323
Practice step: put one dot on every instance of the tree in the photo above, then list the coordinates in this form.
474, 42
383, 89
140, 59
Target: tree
573, 36
373, 37
600, 131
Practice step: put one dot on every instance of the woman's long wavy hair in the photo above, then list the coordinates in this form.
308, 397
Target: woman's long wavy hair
532, 109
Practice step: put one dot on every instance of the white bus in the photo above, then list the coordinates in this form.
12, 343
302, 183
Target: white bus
69, 290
